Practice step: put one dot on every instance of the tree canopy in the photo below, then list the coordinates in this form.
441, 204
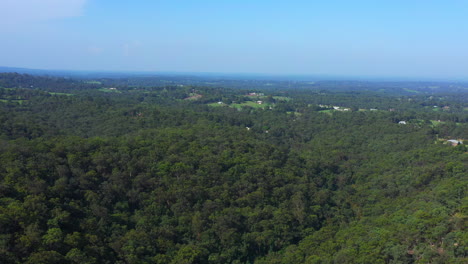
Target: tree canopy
167, 174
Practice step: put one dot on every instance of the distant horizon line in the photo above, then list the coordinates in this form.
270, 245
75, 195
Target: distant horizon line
277, 76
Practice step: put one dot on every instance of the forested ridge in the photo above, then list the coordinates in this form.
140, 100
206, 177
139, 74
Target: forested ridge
196, 174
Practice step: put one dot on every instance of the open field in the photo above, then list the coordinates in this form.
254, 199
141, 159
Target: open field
93, 82
217, 105
19, 101
249, 103
107, 90
240, 105
67, 94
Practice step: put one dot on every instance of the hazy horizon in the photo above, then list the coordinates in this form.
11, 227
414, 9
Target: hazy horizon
359, 39
90, 74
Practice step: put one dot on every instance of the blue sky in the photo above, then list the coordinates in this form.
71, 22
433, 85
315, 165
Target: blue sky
419, 39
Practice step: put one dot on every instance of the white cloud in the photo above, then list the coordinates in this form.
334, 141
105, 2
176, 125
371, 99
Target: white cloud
23, 12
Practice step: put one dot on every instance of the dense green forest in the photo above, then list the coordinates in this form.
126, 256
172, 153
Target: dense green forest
100, 171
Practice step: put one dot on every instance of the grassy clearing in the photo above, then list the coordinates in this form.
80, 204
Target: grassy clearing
19, 101
251, 104
93, 82
244, 104
67, 94
107, 90
436, 123
194, 96
217, 105
328, 111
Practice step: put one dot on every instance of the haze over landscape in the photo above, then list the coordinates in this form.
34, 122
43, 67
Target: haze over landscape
408, 39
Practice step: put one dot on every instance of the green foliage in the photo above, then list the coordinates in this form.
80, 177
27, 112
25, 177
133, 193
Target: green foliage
137, 177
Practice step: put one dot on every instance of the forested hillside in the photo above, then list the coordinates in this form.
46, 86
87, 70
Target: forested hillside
194, 174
